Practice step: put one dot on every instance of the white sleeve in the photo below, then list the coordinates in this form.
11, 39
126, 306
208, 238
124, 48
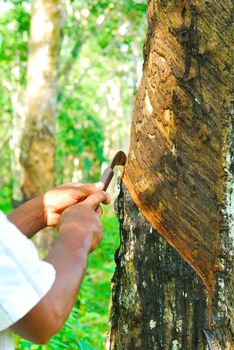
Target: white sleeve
24, 278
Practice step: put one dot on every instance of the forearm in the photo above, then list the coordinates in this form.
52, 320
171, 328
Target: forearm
69, 258
80, 233
29, 217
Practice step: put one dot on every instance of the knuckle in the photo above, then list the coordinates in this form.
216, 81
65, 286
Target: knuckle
77, 184
89, 187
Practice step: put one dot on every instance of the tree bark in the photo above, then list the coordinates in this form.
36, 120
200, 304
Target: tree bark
180, 175
38, 146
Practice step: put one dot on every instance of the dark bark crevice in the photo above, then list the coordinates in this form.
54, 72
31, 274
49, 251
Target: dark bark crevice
158, 301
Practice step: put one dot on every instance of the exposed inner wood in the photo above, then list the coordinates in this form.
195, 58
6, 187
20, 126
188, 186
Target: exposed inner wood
175, 171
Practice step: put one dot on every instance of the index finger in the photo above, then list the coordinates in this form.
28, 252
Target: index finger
95, 199
84, 190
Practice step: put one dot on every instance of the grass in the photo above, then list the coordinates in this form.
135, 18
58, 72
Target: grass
88, 323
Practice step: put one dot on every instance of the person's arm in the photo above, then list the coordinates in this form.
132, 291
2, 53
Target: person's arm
45, 210
29, 217
80, 233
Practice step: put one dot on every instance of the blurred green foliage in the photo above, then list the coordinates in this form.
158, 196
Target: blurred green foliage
100, 57
96, 80
96, 60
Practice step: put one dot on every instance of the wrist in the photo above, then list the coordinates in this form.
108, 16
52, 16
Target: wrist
29, 217
76, 236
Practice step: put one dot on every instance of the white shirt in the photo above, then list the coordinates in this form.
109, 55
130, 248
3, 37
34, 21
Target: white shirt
24, 278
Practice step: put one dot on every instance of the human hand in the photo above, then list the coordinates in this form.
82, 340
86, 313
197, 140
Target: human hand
82, 221
64, 196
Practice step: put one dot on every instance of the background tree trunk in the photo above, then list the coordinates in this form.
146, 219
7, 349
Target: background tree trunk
38, 137
38, 145
179, 173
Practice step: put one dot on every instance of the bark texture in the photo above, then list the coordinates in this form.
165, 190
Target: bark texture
158, 301
181, 127
180, 175
37, 148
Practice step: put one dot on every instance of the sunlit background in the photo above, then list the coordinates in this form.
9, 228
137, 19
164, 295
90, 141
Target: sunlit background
99, 71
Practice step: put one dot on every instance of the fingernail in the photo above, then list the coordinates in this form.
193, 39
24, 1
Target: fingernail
99, 185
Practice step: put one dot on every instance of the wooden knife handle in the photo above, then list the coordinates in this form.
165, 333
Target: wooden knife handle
106, 177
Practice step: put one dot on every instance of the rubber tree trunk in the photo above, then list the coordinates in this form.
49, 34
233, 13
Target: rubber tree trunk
175, 280
38, 146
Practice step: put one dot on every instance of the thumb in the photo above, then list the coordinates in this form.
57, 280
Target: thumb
95, 199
